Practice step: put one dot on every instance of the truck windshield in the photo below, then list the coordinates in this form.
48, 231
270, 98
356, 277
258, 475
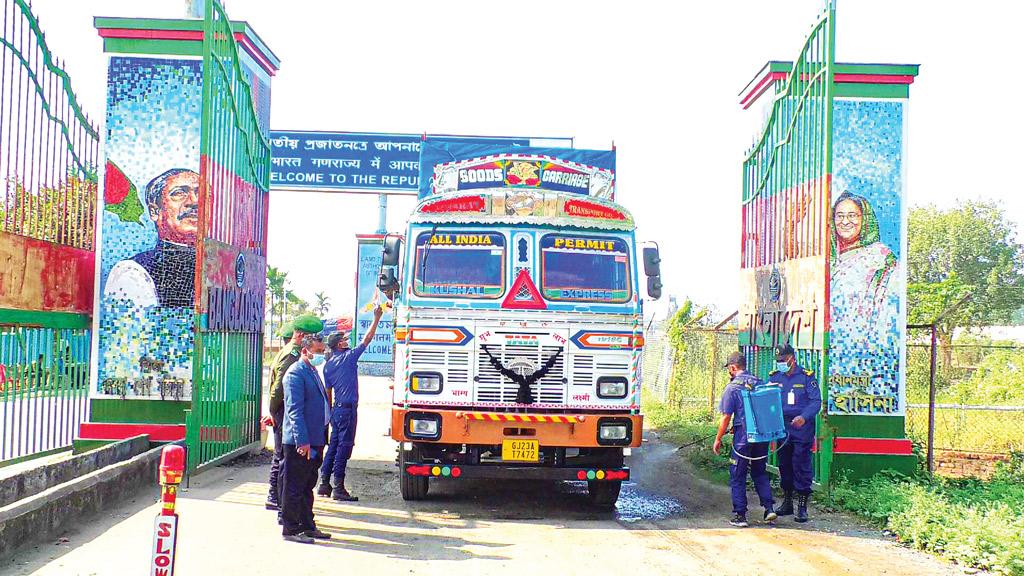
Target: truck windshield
460, 265
585, 269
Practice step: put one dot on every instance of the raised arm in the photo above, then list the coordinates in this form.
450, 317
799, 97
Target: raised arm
377, 313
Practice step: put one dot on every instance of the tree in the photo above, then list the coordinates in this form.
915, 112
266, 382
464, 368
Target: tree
323, 304
276, 280
967, 249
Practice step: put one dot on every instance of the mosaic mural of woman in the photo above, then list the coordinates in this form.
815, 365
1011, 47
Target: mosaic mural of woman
865, 295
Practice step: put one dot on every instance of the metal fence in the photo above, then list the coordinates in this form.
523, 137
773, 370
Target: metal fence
44, 386
978, 409
688, 376
49, 152
234, 189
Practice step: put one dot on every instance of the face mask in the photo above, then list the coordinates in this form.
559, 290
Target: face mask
317, 359
782, 366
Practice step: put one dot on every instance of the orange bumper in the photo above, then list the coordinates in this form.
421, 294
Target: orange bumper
490, 428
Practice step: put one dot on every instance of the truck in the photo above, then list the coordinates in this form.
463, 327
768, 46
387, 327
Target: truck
518, 326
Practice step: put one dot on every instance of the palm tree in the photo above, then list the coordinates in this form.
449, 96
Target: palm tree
323, 304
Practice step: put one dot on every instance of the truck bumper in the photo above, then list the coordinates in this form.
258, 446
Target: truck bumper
512, 472
490, 428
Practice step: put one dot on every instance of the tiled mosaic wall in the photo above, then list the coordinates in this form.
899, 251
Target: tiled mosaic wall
148, 243
866, 369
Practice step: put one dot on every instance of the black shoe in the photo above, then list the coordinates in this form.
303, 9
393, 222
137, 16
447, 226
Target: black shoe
801, 507
770, 515
271, 505
739, 520
325, 487
342, 495
318, 534
300, 538
786, 509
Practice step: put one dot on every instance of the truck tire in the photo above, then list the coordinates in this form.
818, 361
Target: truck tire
604, 495
412, 487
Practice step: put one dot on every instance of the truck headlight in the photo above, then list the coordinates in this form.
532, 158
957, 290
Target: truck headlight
614, 431
426, 383
612, 387
423, 425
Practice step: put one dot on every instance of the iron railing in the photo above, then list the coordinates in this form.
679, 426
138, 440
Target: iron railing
44, 388
49, 152
48, 147
784, 217
234, 187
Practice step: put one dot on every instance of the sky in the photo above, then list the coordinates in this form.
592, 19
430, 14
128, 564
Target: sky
659, 80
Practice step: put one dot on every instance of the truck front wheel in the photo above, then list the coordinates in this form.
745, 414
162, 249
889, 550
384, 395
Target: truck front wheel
413, 487
604, 495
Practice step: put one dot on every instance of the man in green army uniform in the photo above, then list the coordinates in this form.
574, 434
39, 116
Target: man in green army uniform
294, 331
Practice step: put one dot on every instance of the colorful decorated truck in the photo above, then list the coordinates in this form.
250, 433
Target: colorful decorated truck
518, 321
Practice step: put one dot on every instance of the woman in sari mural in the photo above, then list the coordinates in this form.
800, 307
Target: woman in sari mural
865, 297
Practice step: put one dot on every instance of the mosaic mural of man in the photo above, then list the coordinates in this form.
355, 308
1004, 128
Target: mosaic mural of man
165, 275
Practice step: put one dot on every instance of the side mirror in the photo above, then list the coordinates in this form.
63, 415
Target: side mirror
392, 250
652, 261
654, 287
387, 281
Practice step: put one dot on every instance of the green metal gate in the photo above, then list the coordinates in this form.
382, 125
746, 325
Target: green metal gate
785, 207
48, 160
234, 188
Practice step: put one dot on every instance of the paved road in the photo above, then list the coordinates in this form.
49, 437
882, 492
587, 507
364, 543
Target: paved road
667, 522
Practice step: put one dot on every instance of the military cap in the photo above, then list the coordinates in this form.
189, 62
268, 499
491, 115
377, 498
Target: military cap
286, 330
308, 323
736, 359
783, 350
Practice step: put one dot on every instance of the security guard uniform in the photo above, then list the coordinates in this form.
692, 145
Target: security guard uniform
745, 456
801, 396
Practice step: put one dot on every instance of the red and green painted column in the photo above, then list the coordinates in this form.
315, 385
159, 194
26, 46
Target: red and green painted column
159, 262
832, 279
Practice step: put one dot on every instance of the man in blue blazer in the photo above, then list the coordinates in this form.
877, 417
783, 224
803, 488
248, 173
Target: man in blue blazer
306, 414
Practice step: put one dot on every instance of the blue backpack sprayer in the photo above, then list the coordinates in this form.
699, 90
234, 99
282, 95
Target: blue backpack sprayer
763, 421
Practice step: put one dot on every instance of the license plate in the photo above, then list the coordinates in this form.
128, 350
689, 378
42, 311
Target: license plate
520, 450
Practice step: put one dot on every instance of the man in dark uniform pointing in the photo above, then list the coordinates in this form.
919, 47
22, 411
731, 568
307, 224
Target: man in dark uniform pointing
801, 402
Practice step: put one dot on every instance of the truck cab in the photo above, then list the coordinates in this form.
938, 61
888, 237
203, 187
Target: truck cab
518, 338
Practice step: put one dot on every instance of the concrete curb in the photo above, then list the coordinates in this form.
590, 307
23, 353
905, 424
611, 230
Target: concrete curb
43, 516
37, 479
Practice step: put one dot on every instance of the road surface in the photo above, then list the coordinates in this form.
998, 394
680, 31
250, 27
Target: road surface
667, 522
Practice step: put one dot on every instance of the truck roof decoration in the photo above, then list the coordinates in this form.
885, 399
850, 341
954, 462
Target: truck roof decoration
523, 206
448, 167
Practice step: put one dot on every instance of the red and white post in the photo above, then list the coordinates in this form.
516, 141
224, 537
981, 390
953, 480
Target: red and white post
165, 530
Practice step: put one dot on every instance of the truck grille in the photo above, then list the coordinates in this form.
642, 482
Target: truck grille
491, 386
452, 364
585, 366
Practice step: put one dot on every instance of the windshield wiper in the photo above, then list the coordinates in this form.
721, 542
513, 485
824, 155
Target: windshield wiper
426, 252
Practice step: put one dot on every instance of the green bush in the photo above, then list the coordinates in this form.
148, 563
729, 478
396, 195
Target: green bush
972, 522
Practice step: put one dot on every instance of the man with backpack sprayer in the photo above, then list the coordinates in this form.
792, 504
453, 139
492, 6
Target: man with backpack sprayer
746, 456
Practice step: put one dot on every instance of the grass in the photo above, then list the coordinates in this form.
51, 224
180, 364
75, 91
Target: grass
972, 522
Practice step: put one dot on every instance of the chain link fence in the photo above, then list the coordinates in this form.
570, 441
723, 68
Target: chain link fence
978, 399
979, 390
687, 375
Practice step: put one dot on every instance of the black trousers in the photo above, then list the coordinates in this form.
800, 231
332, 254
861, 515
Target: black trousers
275, 463
298, 479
